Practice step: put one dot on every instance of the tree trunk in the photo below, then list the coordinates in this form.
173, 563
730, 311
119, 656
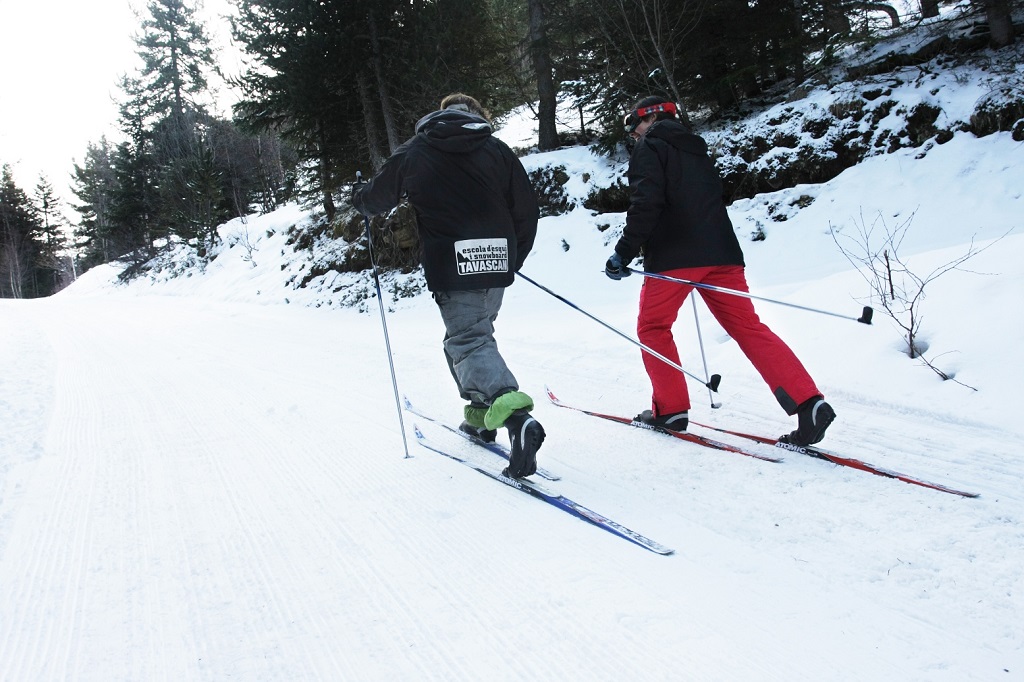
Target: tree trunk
836, 19
894, 16
13, 267
540, 53
326, 171
663, 60
372, 138
1000, 22
798, 42
387, 111
326, 176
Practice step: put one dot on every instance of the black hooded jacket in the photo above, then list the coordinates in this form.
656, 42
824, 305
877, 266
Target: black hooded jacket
676, 213
476, 210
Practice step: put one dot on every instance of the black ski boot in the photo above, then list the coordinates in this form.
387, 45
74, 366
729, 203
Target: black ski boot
526, 435
677, 421
813, 417
481, 434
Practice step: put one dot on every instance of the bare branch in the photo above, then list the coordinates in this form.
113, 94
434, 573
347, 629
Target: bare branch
898, 289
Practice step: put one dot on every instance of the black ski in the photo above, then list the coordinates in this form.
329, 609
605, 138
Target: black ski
552, 498
496, 448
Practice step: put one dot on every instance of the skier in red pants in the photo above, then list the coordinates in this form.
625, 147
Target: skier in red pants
678, 219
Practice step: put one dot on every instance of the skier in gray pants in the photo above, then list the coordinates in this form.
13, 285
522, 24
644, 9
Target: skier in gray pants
476, 214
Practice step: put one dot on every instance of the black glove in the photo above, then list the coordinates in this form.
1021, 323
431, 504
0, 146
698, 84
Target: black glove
357, 200
615, 268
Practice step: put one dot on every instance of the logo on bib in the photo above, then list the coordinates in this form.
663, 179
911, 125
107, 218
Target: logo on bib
474, 256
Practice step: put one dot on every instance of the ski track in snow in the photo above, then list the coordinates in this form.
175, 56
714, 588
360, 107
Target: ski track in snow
220, 491
907, 542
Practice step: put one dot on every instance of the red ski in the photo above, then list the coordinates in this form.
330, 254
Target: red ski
688, 437
810, 451
818, 453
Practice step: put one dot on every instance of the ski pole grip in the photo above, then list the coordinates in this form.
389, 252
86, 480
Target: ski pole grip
866, 315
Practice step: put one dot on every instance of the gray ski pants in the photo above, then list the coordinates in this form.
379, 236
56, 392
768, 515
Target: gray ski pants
469, 346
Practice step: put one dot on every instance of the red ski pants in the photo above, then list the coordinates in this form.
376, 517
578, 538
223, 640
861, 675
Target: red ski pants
659, 306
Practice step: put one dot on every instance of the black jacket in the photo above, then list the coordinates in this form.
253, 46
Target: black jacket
476, 210
676, 212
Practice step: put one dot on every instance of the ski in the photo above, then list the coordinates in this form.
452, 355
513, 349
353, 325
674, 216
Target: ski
496, 448
681, 435
840, 460
552, 498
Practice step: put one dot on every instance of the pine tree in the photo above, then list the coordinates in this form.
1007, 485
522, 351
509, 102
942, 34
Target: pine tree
94, 184
177, 57
20, 273
305, 88
328, 76
53, 240
137, 218
701, 55
133, 203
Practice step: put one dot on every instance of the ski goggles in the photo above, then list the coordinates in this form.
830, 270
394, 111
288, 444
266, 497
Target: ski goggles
633, 119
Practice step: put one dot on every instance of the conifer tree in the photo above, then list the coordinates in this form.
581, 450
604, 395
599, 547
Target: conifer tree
94, 185
21, 273
304, 86
327, 75
177, 57
133, 205
53, 240
137, 219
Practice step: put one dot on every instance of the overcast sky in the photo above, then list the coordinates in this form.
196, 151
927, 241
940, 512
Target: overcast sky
60, 62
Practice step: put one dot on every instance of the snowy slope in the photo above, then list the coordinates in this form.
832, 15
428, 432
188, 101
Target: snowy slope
200, 480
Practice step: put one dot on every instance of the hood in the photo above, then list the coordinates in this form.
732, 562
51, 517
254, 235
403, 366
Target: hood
679, 136
453, 131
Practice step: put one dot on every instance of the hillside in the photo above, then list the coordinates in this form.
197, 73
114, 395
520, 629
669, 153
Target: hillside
927, 89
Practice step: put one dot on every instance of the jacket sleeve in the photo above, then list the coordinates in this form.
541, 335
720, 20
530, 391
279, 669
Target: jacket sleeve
385, 190
646, 202
524, 209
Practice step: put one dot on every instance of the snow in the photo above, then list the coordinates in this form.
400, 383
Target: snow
203, 476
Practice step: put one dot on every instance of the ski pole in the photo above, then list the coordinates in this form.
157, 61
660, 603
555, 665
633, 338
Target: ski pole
384, 324
711, 383
704, 359
865, 317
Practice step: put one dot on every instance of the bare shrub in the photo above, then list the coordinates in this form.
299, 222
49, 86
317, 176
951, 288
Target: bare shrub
874, 250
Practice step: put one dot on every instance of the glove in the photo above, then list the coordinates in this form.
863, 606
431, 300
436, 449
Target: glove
615, 268
354, 197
